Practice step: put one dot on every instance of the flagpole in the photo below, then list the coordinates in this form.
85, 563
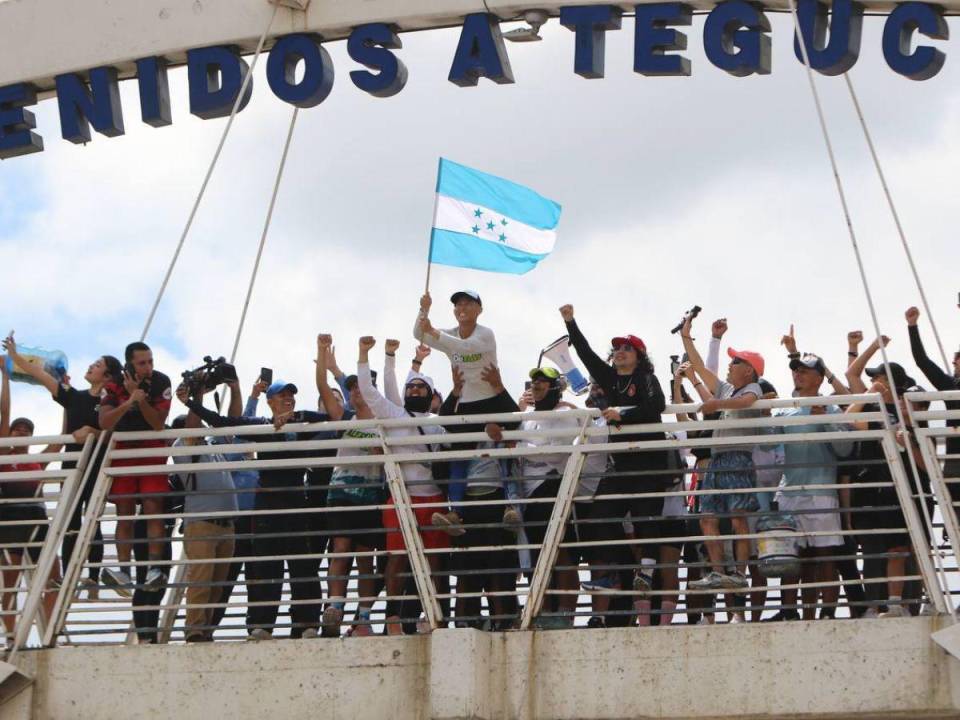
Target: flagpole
433, 219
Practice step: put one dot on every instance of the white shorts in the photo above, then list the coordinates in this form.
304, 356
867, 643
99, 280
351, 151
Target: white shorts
808, 522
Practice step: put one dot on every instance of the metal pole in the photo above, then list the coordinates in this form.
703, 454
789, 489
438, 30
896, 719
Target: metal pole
540, 579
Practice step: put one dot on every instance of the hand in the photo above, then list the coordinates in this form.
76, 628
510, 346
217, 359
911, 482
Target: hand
718, 328
880, 342
687, 327
526, 400
10, 345
789, 341
260, 386
83, 433
130, 384
611, 415
426, 327
494, 432
458, 381
877, 387
425, 302
324, 341
491, 374
183, 393
422, 352
566, 312
282, 419
390, 347
137, 396
686, 369
710, 406
332, 361
854, 338
367, 342
912, 315
66, 381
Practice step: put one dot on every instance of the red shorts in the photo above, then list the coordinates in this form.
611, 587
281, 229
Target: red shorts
139, 484
432, 539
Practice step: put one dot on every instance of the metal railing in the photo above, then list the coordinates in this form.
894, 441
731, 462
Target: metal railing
539, 515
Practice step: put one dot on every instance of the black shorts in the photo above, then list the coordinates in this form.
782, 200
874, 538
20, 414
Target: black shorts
19, 534
363, 527
675, 526
536, 516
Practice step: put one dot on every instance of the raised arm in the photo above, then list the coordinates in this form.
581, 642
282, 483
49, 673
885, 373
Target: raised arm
4, 400
210, 417
933, 372
709, 378
598, 368
236, 399
717, 331
250, 409
379, 405
330, 404
390, 389
35, 371
857, 366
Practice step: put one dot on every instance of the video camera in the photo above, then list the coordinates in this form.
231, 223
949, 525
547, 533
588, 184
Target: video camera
209, 375
689, 315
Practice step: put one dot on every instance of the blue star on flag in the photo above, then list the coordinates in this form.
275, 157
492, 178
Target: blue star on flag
478, 212
476, 229
503, 238
490, 225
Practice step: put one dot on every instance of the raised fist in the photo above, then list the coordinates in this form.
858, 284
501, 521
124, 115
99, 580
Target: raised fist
912, 315
391, 346
367, 342
566, 312
718, 328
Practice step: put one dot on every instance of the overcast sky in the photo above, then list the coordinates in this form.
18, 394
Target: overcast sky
708, 190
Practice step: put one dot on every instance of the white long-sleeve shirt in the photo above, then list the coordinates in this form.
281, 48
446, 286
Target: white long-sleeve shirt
470, 355
417, 476
537, 467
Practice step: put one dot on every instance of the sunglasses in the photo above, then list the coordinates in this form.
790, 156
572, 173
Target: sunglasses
417, 386
625, 347
738, 361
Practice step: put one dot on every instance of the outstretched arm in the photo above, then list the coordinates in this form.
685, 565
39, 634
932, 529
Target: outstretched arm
390, 389
330, 404
599, 370
4, 400
379, 405
696, 361
933, 372
35, 371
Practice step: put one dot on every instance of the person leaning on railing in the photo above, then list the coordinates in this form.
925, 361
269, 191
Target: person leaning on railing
630, 384
82, 420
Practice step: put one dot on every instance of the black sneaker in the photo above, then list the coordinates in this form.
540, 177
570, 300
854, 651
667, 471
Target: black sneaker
782, 616
596, 622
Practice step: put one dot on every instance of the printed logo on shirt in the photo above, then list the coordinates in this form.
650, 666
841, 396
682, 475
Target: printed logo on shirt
632, 390
167, 394
475, 357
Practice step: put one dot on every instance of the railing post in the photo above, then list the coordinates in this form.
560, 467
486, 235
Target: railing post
69, 490
918, 536
88, 527
547, 558
419, 566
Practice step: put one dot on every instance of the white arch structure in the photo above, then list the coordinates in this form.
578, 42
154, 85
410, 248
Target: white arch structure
44, 38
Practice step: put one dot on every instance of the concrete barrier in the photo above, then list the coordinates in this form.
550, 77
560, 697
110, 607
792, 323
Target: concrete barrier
848, 668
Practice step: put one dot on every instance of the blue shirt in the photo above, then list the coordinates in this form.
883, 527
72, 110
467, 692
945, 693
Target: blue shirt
821, 456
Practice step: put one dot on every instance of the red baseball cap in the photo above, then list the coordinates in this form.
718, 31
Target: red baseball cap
754, 360
633, 340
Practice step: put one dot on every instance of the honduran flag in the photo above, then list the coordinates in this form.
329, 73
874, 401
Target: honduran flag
488, 223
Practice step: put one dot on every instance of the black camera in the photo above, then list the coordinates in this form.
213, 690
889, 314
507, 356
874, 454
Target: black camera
209, 375
689, 315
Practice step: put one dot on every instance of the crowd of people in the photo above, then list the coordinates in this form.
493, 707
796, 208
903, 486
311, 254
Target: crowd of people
639, 516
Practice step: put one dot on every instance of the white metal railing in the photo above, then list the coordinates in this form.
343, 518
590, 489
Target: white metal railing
440, 575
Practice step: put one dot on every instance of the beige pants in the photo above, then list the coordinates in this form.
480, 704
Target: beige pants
205, 541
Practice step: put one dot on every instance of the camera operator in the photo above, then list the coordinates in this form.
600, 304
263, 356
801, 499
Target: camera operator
284, 535
141, 402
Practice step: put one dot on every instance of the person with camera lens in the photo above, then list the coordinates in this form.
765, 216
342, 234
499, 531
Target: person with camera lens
139, 402
283, 538
632, 395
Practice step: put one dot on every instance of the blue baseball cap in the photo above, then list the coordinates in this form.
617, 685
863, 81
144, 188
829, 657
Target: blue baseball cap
279, 386
468, 294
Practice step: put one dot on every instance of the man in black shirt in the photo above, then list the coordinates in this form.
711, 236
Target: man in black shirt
283, 535
630, 385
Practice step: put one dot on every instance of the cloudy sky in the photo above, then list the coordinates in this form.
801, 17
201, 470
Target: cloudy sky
708, 190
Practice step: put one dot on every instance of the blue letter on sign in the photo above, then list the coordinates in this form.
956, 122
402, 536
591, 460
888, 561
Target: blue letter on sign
480, 52
370, 46
652, 39
154, 91
80, 107
16, 124
317, 70
926, 61
590, 23
215, 75
735, 39
841, 53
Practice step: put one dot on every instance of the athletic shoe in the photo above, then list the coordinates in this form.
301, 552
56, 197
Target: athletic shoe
512, 519
332, 617
309, 634
155, 580
599, 584
596, 622
895, 611
258, 634
449, 522
642, 583
91, 587
735, 581
783, 616
737, 618
363, 631
712, 581
871, 613
118, 581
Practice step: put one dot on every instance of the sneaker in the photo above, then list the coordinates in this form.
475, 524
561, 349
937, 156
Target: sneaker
871, 613
155, 580
118, 581
895, 611
735, 581
332, 617
783, 616
309, 634
596, 622
449, 522
258, 634
89, 586
642, 583
512, 519
737, 619
364, 631
600, 583
712, 581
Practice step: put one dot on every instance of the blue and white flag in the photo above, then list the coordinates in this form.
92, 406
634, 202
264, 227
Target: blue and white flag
488, 223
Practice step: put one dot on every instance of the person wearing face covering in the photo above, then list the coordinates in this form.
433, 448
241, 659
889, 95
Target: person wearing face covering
417, 476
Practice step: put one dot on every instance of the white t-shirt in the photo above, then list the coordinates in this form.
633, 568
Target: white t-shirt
469, 355
595, 464
537, 467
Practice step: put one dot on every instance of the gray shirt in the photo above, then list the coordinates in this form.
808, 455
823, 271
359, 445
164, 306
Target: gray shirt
210, 491
726, 391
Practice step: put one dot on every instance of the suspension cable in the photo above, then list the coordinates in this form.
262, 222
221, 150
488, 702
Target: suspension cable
248, 78
896, 218
863, 275
263, 234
